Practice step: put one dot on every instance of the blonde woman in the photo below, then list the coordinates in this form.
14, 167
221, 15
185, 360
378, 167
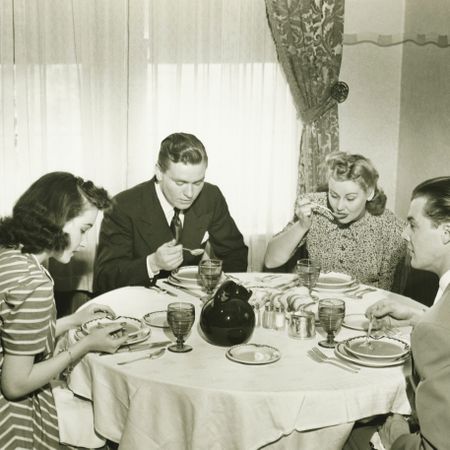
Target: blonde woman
347, 229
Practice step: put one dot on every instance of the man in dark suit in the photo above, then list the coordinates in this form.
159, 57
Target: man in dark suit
428, 237
143, 235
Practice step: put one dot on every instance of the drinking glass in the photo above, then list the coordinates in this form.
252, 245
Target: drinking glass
331, 316
210, 271
308, 272
181, 316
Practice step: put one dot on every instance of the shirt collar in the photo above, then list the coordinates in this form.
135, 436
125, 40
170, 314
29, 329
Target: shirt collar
444, 281
165, 205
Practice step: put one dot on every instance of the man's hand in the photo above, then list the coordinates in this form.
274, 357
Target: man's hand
169, 256
393, 312
394, 427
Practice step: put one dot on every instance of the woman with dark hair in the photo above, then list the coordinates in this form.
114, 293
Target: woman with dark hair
49, 220
347, 229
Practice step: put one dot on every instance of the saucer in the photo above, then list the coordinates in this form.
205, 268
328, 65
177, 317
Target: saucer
156, 319
253, 354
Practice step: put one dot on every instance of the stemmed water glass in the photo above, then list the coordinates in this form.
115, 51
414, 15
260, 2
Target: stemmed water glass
308, 272
209, 272
331, 316
181, 316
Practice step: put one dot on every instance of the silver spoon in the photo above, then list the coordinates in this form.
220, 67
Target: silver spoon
369, 332
153, 355
194, 251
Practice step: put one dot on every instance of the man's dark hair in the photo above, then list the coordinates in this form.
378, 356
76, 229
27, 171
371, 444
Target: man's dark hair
181, 147
437, 194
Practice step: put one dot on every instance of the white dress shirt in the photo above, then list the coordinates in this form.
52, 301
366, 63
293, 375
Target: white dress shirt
444, 281
168, 213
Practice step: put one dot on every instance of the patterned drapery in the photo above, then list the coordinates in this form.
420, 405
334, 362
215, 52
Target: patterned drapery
308, 36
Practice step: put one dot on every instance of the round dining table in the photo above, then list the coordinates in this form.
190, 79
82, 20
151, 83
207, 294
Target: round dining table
202, 400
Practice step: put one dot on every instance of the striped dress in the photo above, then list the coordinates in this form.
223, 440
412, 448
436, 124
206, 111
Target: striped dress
27, 327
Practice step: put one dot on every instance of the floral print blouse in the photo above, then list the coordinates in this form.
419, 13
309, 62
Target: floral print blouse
370, 249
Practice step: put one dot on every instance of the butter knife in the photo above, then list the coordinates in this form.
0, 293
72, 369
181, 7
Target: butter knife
154, 355
138, 347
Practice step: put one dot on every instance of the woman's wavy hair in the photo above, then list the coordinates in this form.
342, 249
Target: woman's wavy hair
181, 147
436, 191
343, 167
38, 217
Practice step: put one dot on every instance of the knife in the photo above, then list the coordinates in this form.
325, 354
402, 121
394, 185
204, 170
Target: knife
138, 347
182, 288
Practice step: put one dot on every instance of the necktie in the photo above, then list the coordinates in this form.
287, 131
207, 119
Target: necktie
175, 225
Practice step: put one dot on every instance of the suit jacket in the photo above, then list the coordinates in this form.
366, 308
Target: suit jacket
136, 226
430, 343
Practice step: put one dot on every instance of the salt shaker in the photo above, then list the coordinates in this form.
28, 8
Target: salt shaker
267, 318
279, 318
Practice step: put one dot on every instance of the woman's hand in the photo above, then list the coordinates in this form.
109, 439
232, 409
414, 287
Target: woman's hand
105, 339
394, 427
90, 312
304, 213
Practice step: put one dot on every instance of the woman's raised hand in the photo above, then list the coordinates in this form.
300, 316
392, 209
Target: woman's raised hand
304, 213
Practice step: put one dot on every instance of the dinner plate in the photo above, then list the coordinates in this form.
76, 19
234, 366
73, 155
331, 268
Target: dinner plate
136, 329
196, 288
341, 352
188, 275
357, 322
253, 354
384, 348
332, 280
342, 289
157, 319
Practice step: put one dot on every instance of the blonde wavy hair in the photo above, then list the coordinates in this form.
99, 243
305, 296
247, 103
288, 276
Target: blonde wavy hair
343, 166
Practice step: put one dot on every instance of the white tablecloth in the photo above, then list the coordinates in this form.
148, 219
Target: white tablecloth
201, 400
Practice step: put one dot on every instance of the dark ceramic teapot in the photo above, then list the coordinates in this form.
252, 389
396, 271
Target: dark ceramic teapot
228, 319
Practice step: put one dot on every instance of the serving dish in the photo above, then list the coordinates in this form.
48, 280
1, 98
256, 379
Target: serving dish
137, 331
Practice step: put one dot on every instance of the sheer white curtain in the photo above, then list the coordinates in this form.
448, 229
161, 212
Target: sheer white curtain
93, 86
210, 68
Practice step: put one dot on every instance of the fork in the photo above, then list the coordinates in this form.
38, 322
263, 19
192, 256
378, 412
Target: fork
316, 355
153, 355
318, 205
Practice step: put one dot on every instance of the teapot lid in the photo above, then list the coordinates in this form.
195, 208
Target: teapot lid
229, 289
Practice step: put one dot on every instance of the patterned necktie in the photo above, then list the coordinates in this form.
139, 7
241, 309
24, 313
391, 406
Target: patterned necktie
175, 225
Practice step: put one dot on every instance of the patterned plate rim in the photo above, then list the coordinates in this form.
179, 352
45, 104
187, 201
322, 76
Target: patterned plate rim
368, 363
276, 354
405, 351
146, 318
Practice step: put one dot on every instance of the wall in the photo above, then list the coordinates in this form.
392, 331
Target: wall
398, 109
424, 135
370, 117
